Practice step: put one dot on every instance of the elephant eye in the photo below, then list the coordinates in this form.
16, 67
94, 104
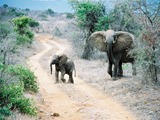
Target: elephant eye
115, 37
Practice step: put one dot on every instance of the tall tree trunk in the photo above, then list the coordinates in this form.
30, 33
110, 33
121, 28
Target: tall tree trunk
153, 67
88, 49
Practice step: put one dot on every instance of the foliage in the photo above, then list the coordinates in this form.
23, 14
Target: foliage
4, 111
88, 12
14, 80
21, 24
21, 27
11, 97
33, 23
69, 15
90, 15
5, 29
7, 42
43, 16
102, 24
18, 14
148, 47
27, 9
121, 18
26, 76
50, 12
5, 6
23, 39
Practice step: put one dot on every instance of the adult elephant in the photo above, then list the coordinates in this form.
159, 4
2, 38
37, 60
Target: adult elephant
117, 45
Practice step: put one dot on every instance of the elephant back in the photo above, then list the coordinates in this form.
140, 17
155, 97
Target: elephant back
124, 41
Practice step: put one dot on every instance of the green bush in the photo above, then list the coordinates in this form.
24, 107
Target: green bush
12, 96
23, 39
30, 35
102, 24
69, 15
24, 105
33, 23
26, 76
4, 111
24, 35
5, 30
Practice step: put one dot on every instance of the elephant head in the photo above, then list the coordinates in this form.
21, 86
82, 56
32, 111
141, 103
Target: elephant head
111, 41
119, 39
58, 60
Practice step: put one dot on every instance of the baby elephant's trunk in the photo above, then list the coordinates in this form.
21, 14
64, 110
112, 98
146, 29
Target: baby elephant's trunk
51, 67
74, 72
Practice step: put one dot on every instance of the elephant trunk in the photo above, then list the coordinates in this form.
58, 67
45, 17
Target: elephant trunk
74, 72
110, 52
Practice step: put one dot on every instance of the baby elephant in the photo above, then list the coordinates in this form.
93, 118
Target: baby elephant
64, 65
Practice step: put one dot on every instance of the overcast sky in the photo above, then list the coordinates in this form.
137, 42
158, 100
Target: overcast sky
56, 5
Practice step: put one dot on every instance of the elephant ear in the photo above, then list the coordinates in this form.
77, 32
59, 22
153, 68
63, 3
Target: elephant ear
62, 59
97, 40
124, 40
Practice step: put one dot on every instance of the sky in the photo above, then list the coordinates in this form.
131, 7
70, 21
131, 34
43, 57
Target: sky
56, 5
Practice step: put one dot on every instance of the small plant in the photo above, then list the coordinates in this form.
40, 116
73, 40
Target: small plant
4, 112
22, 39
24, 35
26, 76
33, 23
12, 98
102, 24
69, 15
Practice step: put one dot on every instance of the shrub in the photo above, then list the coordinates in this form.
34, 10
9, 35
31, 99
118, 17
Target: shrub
22, 28
4, 111
33, 23
12, 98
26, 76
30, 35
69, 15
23, 39
102, 24
5, 30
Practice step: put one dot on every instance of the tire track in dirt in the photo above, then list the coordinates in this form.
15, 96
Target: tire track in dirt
77, 101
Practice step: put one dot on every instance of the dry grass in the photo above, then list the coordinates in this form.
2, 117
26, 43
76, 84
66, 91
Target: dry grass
143, 101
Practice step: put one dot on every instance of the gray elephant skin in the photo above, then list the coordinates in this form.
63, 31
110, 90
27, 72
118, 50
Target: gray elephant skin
117, 45
64, 65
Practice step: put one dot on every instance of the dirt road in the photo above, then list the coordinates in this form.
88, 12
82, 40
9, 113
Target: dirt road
77, 101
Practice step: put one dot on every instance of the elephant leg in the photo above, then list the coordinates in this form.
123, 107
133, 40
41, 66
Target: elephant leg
115, 70
63, 72
70, 78
62, 77
109, 68
57, 76
120, 70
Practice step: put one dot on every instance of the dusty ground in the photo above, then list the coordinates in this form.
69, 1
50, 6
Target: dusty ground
79, 101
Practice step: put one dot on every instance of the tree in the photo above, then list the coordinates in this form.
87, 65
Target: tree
5, 6
27, 9
102, 24
21, 24
33, 23
50, 12
88, 14
21, 27
146, 12
121, 18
